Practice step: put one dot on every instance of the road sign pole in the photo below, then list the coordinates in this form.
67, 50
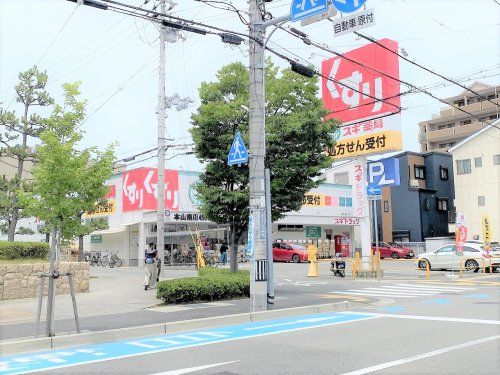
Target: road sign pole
376, 223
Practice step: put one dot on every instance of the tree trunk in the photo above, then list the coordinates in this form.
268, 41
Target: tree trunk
80, 248
233, 248
19, 175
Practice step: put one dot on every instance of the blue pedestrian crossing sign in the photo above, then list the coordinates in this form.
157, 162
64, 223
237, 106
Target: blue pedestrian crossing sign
238, 153
348, 6
302, 9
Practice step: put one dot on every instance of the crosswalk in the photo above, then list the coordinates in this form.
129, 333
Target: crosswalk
405, 291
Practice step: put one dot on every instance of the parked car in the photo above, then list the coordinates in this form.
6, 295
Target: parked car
393, 250
289, 252
446, 258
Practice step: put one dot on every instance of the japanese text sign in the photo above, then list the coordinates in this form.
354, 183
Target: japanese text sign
104, 209
349, 88
487, 235
461, 234
346, 220
359, 191
353, 22
140, 190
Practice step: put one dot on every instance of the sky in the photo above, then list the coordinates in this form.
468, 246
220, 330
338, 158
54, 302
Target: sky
115, 57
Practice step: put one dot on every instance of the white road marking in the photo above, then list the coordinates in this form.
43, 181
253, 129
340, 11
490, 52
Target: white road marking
424, 317
369, 294
404, 291
426, 286
403, 361
312, 320
192, 369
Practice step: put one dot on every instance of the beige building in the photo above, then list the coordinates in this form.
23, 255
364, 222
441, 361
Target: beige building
476, 172
452, 125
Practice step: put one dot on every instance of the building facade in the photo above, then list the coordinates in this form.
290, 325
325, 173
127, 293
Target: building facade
452, 125
477, 180
130, 213
422, 205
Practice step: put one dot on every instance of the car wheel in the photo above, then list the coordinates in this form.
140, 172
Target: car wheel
471, 265
422, 264
295, 258
395, 255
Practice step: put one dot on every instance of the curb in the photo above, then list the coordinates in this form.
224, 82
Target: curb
58, 342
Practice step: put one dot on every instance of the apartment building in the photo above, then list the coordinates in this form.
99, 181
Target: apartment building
477, 179
422, 205
452, 125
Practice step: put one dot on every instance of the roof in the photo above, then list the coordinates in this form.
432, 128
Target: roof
476, 134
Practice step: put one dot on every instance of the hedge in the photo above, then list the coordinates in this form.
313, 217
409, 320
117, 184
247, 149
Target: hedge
211, 285
16, 250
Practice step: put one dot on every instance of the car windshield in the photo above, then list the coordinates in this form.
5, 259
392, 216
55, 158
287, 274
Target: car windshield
395, 244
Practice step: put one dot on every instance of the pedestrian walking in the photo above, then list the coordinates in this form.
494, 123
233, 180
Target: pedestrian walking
150, 266
223, 253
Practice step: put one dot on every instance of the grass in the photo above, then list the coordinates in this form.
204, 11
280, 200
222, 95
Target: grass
23, 261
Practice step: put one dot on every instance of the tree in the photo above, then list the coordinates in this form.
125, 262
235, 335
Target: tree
296, 140
15, 133
67, 181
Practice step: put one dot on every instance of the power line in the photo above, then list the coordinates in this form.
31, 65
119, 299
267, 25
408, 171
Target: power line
424, 68
58, 33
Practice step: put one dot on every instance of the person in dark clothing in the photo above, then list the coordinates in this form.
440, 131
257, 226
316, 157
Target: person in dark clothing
150, 256
223, 253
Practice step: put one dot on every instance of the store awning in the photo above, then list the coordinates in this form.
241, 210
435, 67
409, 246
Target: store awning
131, 223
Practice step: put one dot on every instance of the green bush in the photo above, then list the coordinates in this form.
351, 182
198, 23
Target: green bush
16, 250
211, 285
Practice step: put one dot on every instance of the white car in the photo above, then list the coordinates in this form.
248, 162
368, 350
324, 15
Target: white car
446, 258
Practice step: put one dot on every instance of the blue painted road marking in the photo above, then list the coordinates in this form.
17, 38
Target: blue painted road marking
393, 308
79, 355
479, 295
437, 301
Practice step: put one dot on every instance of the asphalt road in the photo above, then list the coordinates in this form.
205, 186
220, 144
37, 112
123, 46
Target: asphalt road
437, 326
293, 288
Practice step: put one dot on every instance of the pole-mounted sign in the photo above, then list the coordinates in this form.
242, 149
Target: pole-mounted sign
302, 9
238, 153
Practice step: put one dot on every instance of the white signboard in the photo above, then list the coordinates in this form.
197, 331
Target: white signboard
359, 198
353, 22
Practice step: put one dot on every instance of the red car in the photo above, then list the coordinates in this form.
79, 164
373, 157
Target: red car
289, 252
392, 250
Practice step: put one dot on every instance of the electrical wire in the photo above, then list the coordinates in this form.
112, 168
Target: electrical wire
424, 68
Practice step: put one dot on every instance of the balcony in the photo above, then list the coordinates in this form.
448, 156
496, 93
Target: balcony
458, 131
466, 130
441, 135
474, 107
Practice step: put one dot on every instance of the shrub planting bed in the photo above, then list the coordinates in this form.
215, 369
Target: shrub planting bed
17, 250
212, 284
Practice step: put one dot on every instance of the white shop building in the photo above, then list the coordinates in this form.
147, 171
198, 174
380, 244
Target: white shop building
131, 215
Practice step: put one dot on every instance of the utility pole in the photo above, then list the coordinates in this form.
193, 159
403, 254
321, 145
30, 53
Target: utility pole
160, 213
257, 150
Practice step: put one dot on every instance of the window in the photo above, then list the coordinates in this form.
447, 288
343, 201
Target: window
470, 249
348, 202
443, 173
419, 172
463, 166
386, 206
341, 178
442, 204
442, 145
342, 202
466, 122
481, 201
478, 162
441, 127
492, 117
446, 249
496, 159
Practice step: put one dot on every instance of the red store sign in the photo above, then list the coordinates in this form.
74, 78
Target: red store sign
140, 190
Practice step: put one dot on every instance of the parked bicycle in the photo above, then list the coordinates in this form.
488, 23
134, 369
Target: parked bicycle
211, 260
115, 261
95, 259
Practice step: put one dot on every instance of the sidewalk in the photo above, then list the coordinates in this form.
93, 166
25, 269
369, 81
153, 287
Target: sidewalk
112, 291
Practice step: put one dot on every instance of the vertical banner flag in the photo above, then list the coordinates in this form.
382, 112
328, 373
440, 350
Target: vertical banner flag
461, 234
140, 190
358, 91
359, 199
487, 235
